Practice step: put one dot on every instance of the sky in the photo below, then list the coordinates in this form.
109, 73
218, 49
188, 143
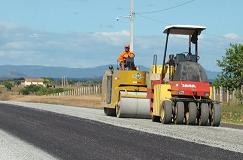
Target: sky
86, 33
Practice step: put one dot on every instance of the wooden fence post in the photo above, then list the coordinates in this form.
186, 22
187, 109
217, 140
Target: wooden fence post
233, 95
96, 90
227, 96
86, 90
82, 90
89, 90
221, 94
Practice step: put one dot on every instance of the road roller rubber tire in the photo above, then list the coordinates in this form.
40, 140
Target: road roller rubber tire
216, 115
191, 116
204, 114
110, 111
166, 112
155, 118
179, 112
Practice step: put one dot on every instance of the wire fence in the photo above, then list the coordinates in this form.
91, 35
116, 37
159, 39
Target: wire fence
225, 96
79, 91
219, 94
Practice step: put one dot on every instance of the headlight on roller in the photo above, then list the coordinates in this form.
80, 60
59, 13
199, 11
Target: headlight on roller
206, 94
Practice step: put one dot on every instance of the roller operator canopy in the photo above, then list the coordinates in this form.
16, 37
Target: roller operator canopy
184, 29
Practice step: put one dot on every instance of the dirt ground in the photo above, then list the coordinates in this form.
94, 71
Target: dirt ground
78, 101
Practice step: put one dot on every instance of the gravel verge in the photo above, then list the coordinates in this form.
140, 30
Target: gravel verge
12, 148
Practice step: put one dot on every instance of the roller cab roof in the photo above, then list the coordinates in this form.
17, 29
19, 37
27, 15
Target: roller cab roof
184, 29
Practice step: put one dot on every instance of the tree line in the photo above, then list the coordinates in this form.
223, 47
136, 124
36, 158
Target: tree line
51, 85
231, 64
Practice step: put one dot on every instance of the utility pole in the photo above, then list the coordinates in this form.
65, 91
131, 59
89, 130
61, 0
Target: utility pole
132, 15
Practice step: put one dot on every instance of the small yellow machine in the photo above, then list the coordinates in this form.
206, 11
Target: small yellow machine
179, 89
124, 93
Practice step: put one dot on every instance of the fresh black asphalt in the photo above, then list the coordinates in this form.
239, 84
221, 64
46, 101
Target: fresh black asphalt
71, 138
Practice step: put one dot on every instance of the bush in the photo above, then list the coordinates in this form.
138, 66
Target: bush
232, 114
39, 90
8, 85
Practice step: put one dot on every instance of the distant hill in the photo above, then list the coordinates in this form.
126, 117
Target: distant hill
17, 71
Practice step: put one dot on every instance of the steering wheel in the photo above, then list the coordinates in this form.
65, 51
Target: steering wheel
187, 53
183, 53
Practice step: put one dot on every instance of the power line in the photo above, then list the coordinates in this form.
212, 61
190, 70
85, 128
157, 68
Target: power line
152, 19
166, 9
142, 15
168, 23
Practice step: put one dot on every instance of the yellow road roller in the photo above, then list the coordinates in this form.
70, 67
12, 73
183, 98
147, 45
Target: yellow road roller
124, 93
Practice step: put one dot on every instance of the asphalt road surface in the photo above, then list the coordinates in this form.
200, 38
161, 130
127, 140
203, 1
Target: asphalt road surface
69, 137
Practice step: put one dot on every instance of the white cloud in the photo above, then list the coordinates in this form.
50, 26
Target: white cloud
7, 26
112, 34
231, 36
18, 45
186, 36
12, 54
7, 53
35, 35
114, 38
179, 36
26, 46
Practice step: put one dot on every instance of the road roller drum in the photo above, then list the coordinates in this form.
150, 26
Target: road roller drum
133, 108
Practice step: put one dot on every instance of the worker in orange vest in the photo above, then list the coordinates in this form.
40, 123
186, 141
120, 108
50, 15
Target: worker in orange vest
124, 55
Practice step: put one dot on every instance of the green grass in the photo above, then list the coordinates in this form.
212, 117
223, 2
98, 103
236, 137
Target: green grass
232, 114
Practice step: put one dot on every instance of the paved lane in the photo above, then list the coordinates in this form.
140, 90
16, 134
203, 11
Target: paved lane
221, 137
68, 137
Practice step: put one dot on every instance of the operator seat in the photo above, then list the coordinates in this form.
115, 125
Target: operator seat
129, 64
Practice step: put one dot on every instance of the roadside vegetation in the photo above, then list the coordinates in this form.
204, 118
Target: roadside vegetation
232, 114
14, 87
39, 90
231, 78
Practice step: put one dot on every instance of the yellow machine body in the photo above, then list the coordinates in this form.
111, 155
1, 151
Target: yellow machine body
161, 94
125, 91
161, 91
128, 81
